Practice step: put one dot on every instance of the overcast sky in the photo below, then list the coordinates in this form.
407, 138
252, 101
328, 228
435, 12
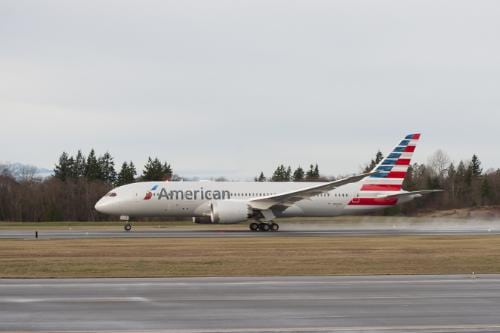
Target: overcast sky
234, 87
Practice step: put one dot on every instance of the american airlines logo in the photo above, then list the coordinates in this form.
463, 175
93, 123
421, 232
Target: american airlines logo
200, 194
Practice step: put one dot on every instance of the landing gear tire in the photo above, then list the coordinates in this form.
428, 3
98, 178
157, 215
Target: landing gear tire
254, 226
264, 227
274, 227
127, 227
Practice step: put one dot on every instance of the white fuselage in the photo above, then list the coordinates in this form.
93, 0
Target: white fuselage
235, 202
193, 199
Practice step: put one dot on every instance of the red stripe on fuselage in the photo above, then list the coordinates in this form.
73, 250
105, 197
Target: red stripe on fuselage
381, 187
373, 202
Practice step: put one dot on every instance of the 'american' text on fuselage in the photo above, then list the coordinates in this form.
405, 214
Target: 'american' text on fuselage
200, 194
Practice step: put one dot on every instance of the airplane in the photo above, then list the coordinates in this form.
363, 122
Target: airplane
208, 202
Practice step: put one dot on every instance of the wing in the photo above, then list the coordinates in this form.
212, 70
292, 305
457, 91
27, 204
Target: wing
291, 197
409, 194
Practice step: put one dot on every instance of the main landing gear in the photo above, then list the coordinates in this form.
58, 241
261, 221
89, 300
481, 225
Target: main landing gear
263, 226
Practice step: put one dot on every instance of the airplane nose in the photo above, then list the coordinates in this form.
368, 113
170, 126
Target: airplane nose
105, 206
109, 206
99, 205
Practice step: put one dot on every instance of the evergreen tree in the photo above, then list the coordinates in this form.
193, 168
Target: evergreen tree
288, 174
316, 171
298, 174
155, 170
126, 175
277, 174
374, 162
451, 182
486, 192
451, 171
461, 173
63, 170
71, 170
261, 177
107, 167
132, 171
280, 174
310, 172
409, 181
463, 180
475, 166
313, 173
92, 169
468, 176
80, 165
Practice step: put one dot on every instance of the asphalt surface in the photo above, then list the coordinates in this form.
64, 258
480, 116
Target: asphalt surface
266, 304
220, 232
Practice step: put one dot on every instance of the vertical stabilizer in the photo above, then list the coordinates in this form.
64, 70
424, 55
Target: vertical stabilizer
391, 171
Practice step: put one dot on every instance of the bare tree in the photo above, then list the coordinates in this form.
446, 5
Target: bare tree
439, 162
27, 173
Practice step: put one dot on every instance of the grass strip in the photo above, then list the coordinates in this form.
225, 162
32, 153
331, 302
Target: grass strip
253, 256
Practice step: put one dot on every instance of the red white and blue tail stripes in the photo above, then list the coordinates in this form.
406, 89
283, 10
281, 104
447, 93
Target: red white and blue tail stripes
391, 171
389, 176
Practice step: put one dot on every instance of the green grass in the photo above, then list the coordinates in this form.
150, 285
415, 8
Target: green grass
252, 256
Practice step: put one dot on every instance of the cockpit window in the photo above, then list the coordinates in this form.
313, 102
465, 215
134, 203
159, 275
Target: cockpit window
112, 194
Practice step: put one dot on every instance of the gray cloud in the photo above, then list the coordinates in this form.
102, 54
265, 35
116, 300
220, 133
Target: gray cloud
235, 87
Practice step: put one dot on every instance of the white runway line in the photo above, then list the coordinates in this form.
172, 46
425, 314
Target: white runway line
71, 299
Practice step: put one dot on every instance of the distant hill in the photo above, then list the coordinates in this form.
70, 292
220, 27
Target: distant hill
19, 170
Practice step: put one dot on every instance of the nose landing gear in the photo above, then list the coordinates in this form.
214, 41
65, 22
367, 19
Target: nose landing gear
126, 219
263, 226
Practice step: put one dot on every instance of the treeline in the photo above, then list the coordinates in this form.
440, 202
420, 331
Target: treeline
71, 193
285, 174
465, 185
102, 168
79, 181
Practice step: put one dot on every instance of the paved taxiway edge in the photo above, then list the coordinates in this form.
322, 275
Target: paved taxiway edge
73, 234
451, 303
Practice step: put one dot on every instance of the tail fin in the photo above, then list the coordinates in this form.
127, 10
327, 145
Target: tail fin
391, 171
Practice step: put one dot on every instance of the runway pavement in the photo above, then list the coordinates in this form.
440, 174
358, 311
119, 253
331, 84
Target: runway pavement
220, 232
265, 304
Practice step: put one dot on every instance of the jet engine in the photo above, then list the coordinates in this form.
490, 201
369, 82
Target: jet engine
202, 220
228, 212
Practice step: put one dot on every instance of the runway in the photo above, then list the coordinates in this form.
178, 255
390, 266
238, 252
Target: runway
265, 304
220, 232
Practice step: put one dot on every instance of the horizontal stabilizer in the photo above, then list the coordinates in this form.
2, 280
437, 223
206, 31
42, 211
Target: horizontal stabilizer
416, 194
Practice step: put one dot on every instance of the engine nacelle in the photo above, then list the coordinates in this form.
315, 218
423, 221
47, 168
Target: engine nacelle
228, 212
202, 220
